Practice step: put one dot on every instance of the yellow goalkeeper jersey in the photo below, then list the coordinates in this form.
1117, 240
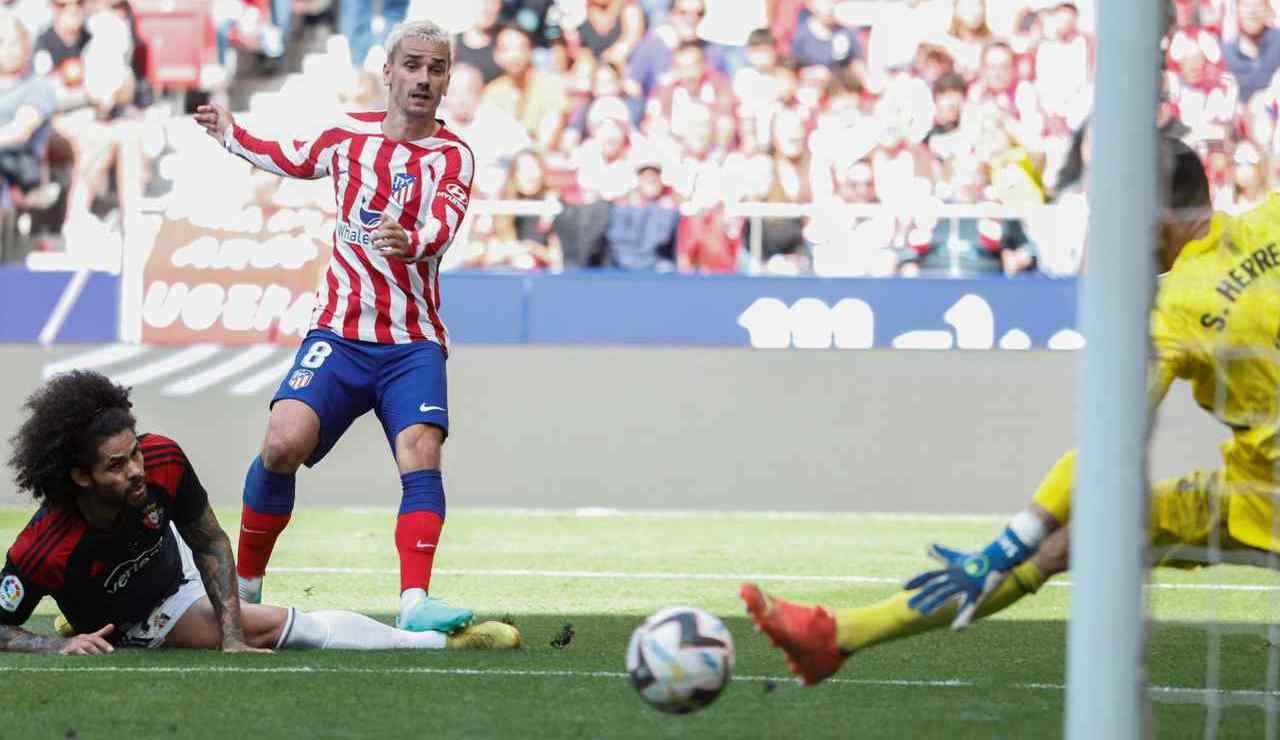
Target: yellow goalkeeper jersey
1217, 324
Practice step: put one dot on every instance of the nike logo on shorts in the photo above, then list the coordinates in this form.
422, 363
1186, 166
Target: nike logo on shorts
426, 409
424, 545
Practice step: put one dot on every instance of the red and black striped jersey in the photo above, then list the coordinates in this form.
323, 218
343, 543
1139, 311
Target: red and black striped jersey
106, 577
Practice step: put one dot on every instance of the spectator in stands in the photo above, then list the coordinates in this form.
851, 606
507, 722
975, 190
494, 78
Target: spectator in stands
536, 18
706, 241
607, 83
1059, 234
611, 30
95, 83
849, 245
642, 224
527, 242
537, 98
356, 23
844, 130
820, 39
897, 32
655, 11
494, 135
968, 36
27, 104
932, 63
59, 47
1254, 55
1203, 97
784, 248
946, 139
475, 46
1207, 14
692, 82
604, 164
1251, 179
1064, 68
653, 57
998, 91
755, 85
1220, 171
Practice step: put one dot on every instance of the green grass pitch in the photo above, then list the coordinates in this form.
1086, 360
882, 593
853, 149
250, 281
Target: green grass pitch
603, 574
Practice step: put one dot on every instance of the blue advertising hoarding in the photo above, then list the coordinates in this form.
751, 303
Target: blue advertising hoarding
629, 309
612, 308
29, 304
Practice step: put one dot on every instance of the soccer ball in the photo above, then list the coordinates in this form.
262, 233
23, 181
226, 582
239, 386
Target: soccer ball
680, 659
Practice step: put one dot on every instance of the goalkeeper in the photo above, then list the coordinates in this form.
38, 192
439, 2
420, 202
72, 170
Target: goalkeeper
1217, 316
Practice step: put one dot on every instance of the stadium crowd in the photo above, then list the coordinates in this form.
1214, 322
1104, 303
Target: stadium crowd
642, 125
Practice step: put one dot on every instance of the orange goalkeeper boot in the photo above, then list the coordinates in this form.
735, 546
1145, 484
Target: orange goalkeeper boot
806, 634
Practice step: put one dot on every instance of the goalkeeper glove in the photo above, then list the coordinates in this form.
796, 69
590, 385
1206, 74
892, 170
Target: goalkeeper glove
968, 578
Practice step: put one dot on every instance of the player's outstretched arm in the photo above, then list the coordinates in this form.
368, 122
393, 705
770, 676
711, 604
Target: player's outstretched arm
17, 640
212, 551
303, 159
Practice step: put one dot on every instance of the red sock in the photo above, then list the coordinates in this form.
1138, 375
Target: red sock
258, 533
417, 534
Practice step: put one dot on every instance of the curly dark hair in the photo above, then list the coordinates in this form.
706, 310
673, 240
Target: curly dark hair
70, 416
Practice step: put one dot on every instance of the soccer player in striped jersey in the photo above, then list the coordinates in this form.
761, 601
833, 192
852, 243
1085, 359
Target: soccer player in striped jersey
401, 182
1216, 323
126, 543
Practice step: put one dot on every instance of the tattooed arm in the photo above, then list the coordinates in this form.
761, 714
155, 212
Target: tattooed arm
17, 640
212, 550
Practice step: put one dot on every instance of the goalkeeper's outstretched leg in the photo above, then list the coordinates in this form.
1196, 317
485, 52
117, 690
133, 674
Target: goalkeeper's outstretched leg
817, 639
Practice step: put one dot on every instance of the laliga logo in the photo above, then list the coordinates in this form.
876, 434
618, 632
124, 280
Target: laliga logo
850, 324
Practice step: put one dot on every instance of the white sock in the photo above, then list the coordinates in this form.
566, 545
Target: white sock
250, 588
332, 629
409, 598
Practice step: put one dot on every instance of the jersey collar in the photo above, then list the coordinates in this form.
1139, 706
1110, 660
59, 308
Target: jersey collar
1206, 243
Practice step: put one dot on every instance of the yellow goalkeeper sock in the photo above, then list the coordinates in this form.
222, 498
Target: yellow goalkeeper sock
892, 618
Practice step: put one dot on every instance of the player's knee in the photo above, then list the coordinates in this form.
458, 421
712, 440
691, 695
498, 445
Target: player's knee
418, 447
284, 450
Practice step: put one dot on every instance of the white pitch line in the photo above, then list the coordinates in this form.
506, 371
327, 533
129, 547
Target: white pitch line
216, 374
256, 382
100, 357
670, 576
1159, 693
606, 513
168, 365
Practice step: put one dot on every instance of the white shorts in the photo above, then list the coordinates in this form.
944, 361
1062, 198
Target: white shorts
150, 632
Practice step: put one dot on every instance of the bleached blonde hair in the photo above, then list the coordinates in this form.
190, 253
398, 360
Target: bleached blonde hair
428, 31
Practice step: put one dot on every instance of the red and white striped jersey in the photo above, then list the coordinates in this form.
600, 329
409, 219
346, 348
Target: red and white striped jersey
425, 184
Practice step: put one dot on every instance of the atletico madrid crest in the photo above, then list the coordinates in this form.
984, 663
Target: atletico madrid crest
402, 188
300, 379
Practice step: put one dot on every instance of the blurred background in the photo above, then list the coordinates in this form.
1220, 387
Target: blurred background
688, 136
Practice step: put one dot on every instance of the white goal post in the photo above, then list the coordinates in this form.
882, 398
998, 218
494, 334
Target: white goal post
1105, 636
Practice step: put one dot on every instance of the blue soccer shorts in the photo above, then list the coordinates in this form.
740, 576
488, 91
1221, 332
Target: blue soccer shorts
342, 379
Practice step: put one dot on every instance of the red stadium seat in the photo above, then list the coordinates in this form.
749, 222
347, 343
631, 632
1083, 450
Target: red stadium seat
181, 38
